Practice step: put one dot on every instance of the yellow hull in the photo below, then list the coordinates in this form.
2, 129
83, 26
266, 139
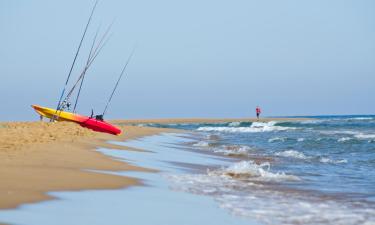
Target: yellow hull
58, 115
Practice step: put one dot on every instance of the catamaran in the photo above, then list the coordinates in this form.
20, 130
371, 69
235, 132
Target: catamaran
92, 122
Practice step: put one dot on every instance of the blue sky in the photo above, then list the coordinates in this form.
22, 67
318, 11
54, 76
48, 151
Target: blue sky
193, 58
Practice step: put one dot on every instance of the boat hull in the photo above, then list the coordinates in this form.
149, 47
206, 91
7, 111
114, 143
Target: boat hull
84, 121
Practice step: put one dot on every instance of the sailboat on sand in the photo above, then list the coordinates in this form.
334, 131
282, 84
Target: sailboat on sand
92, 122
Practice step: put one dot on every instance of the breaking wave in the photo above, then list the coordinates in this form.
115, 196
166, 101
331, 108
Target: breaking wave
253, 128
234, 150
328, 160
344, 139
292, 154
233, 190
299, 155
277, 139
201, 144
355, 135
228, 150
248, 170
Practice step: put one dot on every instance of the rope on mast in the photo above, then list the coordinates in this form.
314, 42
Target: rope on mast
118, 81
87, 62
95, 54
75, 57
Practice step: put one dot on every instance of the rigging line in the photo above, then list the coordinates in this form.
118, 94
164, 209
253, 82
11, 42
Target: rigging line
75, 57
87, 62
97, 50
102, 38
118, 81
86, 68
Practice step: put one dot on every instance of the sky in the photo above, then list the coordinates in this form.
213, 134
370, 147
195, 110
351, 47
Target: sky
193, 58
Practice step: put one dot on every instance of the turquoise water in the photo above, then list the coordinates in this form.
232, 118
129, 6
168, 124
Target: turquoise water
318, 171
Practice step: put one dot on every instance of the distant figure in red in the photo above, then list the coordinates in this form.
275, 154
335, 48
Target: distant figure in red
258, 111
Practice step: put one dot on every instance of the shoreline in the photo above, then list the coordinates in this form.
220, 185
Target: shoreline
39, 157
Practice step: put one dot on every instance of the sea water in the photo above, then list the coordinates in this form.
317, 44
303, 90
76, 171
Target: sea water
318, 171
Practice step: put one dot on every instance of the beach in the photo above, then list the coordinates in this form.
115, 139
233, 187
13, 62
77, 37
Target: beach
190, 171
38, 157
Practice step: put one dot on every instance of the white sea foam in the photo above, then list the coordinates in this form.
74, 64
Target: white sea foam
333, 132
355, 134
234, 124
365, 136
255, 172
292, 154
255, 127
312, 121
277, 139
344, 139
300, 139
363, 118
201, 144
271, 206
234, 150
328, 160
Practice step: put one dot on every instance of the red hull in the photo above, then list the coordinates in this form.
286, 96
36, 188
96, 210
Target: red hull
100, 126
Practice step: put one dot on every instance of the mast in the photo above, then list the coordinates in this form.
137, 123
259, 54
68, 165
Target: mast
87, 62
118, 81
96, 52
75, 57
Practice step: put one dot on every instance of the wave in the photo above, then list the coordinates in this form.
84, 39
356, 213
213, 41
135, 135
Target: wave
273, 206
283, 139
248, 170
234, 124
299, 155
234, 150
365, 136
292, 154
201, 144
363, 118
254, 128
228, 150
277, 139
344, 139
328, 160
355, 134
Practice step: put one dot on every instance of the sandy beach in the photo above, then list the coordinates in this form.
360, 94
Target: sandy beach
38, 157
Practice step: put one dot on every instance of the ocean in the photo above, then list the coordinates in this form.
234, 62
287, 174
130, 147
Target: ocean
315, 171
